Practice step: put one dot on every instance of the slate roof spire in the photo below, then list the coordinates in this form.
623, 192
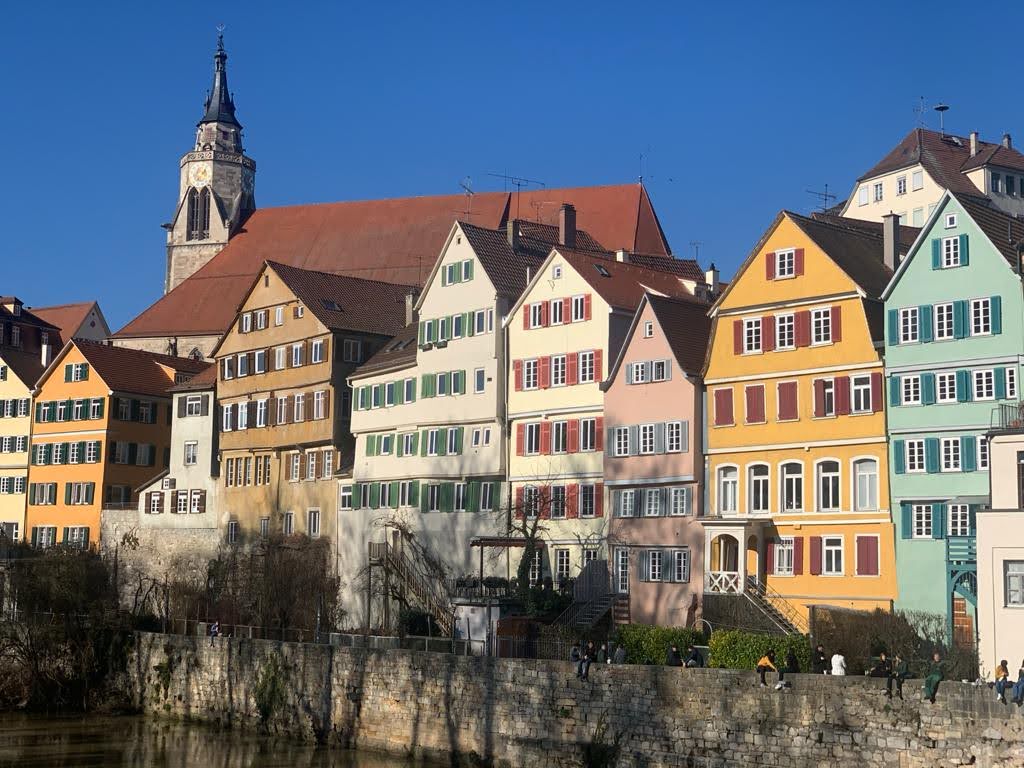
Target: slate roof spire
220, 107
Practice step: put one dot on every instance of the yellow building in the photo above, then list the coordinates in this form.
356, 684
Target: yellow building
798, 502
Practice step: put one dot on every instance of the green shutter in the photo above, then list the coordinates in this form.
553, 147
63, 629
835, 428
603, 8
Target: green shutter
399, 392
965, 255
412, 398
458, 440
968, 453
906, 521
938, 521
421, 334
67, 530
473, 496
964, 386
393, 494
894, 327
414, 493
102, 401
425, 380
894, 391
415, 443
931, 454
936, 253
924, 322
996, 314
447, 497
67, 372
442, 441
469, 263
399, 445
999, 374
899, 458
85, 371
928, 388
374, 495
67, 498
371, 445
423, 443
960, 319
90, 492
98, 445
424, 498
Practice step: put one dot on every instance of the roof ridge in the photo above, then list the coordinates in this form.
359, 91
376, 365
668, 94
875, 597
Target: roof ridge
277, 265
851, 228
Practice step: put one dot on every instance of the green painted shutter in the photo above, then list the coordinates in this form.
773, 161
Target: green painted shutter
102, 401
39, 413
85, 371
412, 392
66, 534
424, 498
442, 441
965, 251
414, 493
67, 500
936, 253
393, 494
469, 271
972, 520
964, 386
999, 374
899, 458
906, 523
894, 327
959, 319
931, 454
421, 334
67, 372
425, 385
938, 521
423, 443
473, 496
371, 445
928, 388
924, 322
399, 392
415, 443
458, 440
447, 497
968, 453
35, 534
894, 391
996, 314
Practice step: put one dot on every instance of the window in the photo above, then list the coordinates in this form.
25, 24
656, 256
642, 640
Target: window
535, 567
530, 377
959, 520
457, 327
679, 499
313, 523
588, 434
181, 505
1014, 570
243, 415
917, 217
278, 315
785, 264
316, 354
921, 520
784, 332
408, 443
728, 488
751, 335
282, 410
950, 251
299, 411
909, 331
532, 438
901, 185
453, 441
639, 372
828, 397
984, 385
486, 497
311, 466
758, 482
861, 390
531, 500
586, 367
560, 437
288, 527
654, 565
659, 370
865, 485
862, 195
557, 502
950, 454
558, 370
646, 438
917, 180
622, 441
479, 322
536, 315
243, 365
296, 464
821, 326
792, 487
16, 335
652, 502
191, 453
914, 455
555, 310
946, 387
587, 500
982, 452
297, 354
579, 308
479, 379
832, 547
247, 322
981, 317
784, 556
226, 420
648, 329
877, 191
828, 486
674, 436
627, 503
943, 321
1011, 383
911, 386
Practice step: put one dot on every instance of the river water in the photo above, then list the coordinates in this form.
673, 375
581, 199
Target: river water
32, 741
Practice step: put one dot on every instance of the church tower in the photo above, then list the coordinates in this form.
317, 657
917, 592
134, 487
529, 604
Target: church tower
215, 194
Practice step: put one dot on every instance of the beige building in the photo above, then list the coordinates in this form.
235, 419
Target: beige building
283, 406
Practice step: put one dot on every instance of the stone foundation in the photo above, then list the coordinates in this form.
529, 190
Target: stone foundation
519, 713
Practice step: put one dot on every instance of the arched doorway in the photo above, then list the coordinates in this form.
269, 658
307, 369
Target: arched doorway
753, 558
724, 564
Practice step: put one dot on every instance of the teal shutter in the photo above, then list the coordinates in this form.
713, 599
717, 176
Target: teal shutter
894, 391
899, 458
924, 323
458, 440
972, 520
67, 372
447, 497
102, 400
968, 453
999, 374
931, 454
963, 386
965, 251
928, 388
90, 491
67, 499
414, 493
35, 535
936, 253
959, 319
371, 445
393, 494
894, 327
469, 269
85, 371
460, 377
938, 521
996, 313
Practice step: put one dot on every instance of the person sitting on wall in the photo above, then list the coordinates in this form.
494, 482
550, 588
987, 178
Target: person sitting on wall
936, 672
693, 657
882, 667
589, 652
838, 663
900, 672
792, 662
1018, 687
619, 657
819, 661
576, 657
1002, 681
672, 658
767, 664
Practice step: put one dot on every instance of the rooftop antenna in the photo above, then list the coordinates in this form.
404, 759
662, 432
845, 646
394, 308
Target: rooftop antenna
696, 244
941, 108
518, 182
825, 197
919, 110
465, 184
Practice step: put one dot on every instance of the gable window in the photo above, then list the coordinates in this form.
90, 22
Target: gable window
530, 377
555, 310
951, 454
792, 487
659, 370
648, 329
536, 315
785, 264
877, 191
784, 332
821, 326
917, 180
832, 549
945, 384
247, 322
943, 321
278, 315
751, 335
579, 308
828, 486
984, 385
909, 331
911, 386
728, 487
860, 387
639, 372
261, 319
758, 483
901, 185
950, 252
981, 317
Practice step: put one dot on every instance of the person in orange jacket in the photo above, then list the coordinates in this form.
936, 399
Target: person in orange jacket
767, 664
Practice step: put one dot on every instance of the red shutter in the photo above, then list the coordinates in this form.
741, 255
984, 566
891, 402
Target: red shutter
863, 565
526, 317
802, 328
544, 319
843, 395
599, 433
768, 333
519, 500
769, 266
798, 556
876, 392
770, 558
572, 368
545, 437
798, 261
572, 500
586, 307
598, 365
544, 501
567, 309
788, 401
723, 407
520, 441
598, 499
815, 555
737, 337
819, 398
544, 372
573, 436
517, 372
837, 324
755, 404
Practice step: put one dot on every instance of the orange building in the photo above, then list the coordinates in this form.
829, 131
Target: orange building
101, 429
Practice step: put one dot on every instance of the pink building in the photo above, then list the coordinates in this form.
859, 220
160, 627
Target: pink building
653, 466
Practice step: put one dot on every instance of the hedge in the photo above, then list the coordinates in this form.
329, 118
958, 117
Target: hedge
735, 649
646, 644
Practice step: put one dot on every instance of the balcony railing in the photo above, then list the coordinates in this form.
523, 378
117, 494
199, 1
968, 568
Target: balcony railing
961, 549
722, 582
1008, 416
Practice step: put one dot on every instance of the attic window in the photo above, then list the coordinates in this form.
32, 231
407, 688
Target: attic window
556, 271
601, 270
331, 305
950, 220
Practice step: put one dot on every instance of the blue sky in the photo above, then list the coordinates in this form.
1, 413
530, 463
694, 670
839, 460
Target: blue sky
737, 108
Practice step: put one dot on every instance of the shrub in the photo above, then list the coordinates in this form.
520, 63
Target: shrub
646, 644
735, 649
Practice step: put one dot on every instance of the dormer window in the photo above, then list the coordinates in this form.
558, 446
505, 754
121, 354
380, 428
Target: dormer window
16, 309
997, 183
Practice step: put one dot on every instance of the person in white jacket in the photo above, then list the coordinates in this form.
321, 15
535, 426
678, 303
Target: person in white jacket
838, 663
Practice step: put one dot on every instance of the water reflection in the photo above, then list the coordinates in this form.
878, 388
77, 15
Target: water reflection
136, 742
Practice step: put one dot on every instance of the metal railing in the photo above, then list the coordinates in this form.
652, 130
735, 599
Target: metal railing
1008, 416
776, 602
470, 587
428, 590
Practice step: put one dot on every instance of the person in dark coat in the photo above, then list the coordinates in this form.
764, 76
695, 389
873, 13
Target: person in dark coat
1017, 692
673, 659
589, 653
819, 661
602, 654
576, 657
882, 667
619, 657
900, 672
693, 657
792, 663
936, 673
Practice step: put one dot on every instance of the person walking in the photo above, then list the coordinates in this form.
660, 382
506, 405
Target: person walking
1002, 681
672, 658
693, 657
819, 661
900, 672
936, 673
839, 663
214, 631
767, 664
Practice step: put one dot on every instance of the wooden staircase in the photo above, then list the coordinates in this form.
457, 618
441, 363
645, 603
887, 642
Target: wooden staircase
429, 592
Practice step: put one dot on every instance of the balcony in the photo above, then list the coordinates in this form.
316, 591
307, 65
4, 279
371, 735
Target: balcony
723, 582
961, 549
1008, 417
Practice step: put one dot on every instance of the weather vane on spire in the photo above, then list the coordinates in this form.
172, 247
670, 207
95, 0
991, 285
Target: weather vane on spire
220, 37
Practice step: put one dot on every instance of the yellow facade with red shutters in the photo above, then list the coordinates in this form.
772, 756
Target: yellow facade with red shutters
797, 467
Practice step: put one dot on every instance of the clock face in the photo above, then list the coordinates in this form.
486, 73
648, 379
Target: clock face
199, 174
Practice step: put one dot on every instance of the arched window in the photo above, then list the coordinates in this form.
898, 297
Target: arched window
828, 486
204, 213
758, 484
198, 214
792, 487
865, 484
192, 201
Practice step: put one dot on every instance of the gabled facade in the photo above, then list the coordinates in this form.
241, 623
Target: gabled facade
283, 404
653, 465
953, 351
83, 320
796, 451
101, 430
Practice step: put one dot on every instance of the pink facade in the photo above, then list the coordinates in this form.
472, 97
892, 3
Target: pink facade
653, 465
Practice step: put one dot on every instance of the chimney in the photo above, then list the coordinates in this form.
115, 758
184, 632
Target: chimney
711, 277
45, 349
974, 143
622, 255
567, 226
1007, 141
512, 234
891, 239
410, 311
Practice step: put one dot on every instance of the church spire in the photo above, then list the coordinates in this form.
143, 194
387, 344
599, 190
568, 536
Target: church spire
220, 108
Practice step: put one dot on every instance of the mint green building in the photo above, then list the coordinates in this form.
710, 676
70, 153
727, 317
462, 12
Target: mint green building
954, 327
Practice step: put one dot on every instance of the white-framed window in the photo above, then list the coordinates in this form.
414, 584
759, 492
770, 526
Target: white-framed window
557, 502
531, 438
981, 317
531, 379
156, 501
654, 565
652, 502
561, 564
288, 523
785, 263
911, 386
479, 380
296, 463
832, 555
243, 365
282, 410
785, 334
457, 329
784, 548
191, 453
486, 497
627, 503
298, 351
311, 464
945, 386
320, 402
587, 500
901, 185
181, 507
588, 434
1011, 383
460, 497
261, 319
1013, 571
558, 370
452, 447
441, 385
659, 370
909, 326
828, 397
921, 520
728, 490
917, 180
751, 335
432, 442
646, 438
639, 372
261, 412
679, 501
247, 322
950, 454
674, 436
984, 385
585, 367
982, 452
821, 326
865, 485
531, 501
195, 499
280, 356
862, 195
345, 497
560, 437
877, 191
860, 388
316, 355
828, 485
792, 487
299, 412
959, 520
278, 315
536, 315
622, 570
536, 567
648, 329
758, 485
621, 441
193, 405
555, 308
226, 418
914, 455
950, 252
943, 321
579, 308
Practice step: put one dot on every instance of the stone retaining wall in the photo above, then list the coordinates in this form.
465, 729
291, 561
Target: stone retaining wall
519, 713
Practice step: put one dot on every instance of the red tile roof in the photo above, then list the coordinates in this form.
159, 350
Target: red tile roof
687, 329
621, 284
400, 352
201, 382
67, 317
134, 371
394, 241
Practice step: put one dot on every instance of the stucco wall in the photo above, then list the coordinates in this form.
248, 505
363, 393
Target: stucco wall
1000, 625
